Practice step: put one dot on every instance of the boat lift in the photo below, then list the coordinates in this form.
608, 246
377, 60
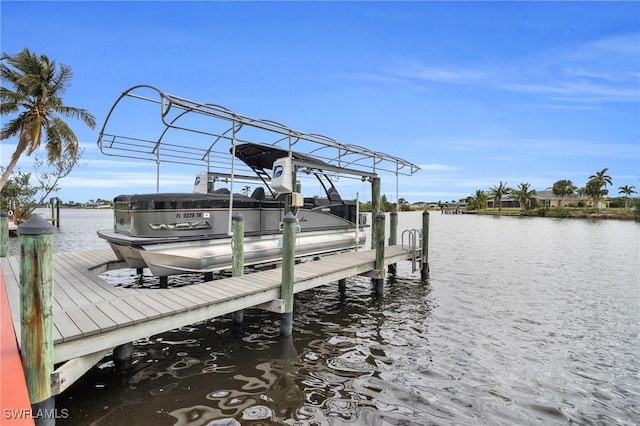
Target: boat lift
146, 123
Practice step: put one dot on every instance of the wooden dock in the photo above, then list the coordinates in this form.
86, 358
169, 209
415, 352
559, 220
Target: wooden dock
91, 316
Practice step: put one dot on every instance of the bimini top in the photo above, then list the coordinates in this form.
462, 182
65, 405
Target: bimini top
146, 123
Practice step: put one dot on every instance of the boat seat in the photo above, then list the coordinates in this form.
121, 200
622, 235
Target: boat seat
258, 194
333, 194
222, 191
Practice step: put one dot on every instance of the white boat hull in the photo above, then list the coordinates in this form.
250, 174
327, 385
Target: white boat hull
216, 254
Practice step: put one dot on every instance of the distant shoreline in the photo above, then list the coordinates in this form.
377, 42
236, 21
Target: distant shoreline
562, 213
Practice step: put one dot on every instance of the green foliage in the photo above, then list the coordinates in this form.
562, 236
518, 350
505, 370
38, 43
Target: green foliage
17, 192
20, 190
523, 195
385, 205
548, 212
477, 201
32, 89
496, 193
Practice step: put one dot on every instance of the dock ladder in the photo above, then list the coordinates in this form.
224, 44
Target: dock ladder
414, 243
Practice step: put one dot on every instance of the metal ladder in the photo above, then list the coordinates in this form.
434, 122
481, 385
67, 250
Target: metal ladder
414, 243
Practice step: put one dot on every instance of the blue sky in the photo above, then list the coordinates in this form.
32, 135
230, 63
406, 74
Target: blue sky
474, 93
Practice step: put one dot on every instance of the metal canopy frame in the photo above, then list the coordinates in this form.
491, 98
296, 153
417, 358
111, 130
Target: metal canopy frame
191, 133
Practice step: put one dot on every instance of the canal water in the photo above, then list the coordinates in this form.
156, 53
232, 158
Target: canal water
522, 321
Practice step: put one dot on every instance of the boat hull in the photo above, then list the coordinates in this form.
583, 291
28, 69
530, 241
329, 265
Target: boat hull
208, 255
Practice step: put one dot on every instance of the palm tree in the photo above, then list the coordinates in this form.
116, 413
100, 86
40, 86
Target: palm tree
523, 195
38, 84
478, 200
563, 188
246, 190
596, 183
496, 192
627, 191
602, 177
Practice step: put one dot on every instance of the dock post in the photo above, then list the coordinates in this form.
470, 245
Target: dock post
342, 285
393, 236
36, 313
4, 233
57, 212
379, 242
425, 244
288, 262
375, 207
238, 257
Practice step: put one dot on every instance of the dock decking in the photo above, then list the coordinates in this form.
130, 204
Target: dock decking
92, 316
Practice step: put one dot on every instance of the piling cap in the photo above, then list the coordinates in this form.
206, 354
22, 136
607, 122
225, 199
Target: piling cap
4, 213
36, 225
289, 217
380, 215
237, 216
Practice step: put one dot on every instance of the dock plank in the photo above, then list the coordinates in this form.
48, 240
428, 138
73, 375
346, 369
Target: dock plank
99, 317
114, 314
66, 326
84, 322
154, 297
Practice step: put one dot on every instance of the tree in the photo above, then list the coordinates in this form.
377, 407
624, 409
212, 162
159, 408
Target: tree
38, 84
627, 191
26, 196
17, 193
403, 205
594, 190
246, 190
563, 188
602, 178
597, 185
496, 192
523, 195
478, 200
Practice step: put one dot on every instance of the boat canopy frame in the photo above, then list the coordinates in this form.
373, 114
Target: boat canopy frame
203, 126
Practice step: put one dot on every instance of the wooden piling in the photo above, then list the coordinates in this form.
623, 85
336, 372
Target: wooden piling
379, 244
238, 257
36, 312
375, 206
425, 244
288, 262
4, 233
393, 236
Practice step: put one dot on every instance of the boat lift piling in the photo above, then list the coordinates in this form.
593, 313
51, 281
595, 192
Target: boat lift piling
238, 257
393, 236
378, 241
288, 263
375, 207
424, 271
36, 312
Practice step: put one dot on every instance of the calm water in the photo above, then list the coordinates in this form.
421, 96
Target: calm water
521, 321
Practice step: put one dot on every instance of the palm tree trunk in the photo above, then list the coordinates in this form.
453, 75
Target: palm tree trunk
7, 173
